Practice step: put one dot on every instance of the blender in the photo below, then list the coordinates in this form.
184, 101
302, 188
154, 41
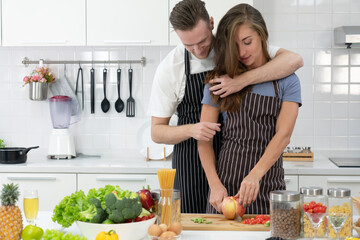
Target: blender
61, 142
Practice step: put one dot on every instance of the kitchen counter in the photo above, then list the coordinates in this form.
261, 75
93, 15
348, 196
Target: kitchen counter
132, 162
44, 221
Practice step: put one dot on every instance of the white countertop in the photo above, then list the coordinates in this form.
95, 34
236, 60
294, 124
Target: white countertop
44, 221
128, 161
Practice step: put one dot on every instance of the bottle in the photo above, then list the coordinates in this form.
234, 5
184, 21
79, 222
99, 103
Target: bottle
312, 196
176, 196
340, 210
285, 214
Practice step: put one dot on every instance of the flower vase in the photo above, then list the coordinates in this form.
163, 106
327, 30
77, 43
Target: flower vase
38, 91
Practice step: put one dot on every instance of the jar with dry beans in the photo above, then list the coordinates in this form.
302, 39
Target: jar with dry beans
340, 210
313, 200
285, 212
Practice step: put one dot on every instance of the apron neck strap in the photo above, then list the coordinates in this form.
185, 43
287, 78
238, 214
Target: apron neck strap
187, 63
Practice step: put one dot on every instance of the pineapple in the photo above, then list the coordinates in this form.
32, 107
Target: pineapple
11, 224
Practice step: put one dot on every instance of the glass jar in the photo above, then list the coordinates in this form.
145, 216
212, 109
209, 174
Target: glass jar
176, 197
285, 212
312, 196
339, 200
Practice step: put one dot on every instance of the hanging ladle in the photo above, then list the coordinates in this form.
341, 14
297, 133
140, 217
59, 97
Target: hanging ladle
105, 104
119, 104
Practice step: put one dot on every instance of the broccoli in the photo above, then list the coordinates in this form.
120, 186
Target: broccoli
122, 206
94, 214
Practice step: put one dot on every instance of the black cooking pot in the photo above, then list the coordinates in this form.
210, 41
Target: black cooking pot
14, 155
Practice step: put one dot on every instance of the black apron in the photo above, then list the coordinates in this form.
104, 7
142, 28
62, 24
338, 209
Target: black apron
190, 177
246, 135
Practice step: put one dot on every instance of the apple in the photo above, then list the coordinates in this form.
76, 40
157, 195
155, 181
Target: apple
230, 206
32, 232
146, 198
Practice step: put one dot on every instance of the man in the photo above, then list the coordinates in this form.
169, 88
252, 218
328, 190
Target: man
178, 87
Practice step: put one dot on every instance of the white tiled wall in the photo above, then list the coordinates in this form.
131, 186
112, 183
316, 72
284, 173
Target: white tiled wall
27, 123
330, 78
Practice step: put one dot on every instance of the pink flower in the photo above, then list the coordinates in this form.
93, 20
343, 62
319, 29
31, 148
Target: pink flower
35, 78
26, 79
43, 80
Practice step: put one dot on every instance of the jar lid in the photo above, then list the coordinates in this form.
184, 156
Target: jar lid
156, 194
60, 98
284, 196
311, 191
339, 192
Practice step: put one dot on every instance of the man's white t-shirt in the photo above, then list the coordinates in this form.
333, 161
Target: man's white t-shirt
168, 88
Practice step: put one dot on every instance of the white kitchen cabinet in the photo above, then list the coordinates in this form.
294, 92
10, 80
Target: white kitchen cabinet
52, 188
132, 182
292, 182
351, 182
43, 22
215, 8
127, 22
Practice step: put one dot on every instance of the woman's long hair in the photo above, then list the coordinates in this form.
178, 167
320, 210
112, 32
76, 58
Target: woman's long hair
227, 54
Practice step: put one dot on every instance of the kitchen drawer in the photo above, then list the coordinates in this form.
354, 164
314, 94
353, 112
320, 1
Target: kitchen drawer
292, 182
132, 182
52, 188
351, 182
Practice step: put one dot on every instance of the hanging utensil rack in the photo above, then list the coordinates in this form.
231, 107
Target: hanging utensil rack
27, 62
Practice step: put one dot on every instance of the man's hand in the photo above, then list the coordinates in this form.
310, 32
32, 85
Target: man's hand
249, 190
226, 86
204, 131
217, 195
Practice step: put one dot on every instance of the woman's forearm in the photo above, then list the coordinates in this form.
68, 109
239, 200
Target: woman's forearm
271, 154
207, 158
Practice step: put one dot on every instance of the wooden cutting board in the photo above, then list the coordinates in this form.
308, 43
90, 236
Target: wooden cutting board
219, 223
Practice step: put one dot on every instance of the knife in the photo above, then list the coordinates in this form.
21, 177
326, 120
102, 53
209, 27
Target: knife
237, 217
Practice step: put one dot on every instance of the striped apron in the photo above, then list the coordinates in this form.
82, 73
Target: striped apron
246, 135
190, 177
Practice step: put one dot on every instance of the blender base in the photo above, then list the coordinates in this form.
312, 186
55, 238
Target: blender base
61, 145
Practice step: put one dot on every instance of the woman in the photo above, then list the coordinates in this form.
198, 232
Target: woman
258, 122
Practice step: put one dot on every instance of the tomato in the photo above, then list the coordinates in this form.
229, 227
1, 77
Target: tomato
305, 207
151, 215
128, 220
138, 219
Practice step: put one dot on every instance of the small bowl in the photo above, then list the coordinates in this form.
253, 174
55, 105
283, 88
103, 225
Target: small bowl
177, 237
126, 231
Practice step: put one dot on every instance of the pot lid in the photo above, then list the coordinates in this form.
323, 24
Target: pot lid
60, 98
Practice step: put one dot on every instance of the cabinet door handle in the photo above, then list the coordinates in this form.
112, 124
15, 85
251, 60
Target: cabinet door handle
287, 180
334, 180
120, 179
33, 178
46, 42
127, 42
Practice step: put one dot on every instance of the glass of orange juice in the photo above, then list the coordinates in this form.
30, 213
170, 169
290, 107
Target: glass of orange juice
31, 205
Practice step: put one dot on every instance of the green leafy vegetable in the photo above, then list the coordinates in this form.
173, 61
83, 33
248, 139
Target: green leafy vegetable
122, 205
94, 214
2, 144
57, 235
69, 208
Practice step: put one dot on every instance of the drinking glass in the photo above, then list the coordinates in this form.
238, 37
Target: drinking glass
31, 205
315, 219
337, 221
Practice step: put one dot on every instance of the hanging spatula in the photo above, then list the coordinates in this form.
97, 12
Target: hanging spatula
130, 103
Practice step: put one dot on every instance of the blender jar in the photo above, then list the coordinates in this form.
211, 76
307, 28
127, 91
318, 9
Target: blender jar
60, 111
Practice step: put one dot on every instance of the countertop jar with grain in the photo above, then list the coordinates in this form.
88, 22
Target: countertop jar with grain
340, 203
312, 196
285, 212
